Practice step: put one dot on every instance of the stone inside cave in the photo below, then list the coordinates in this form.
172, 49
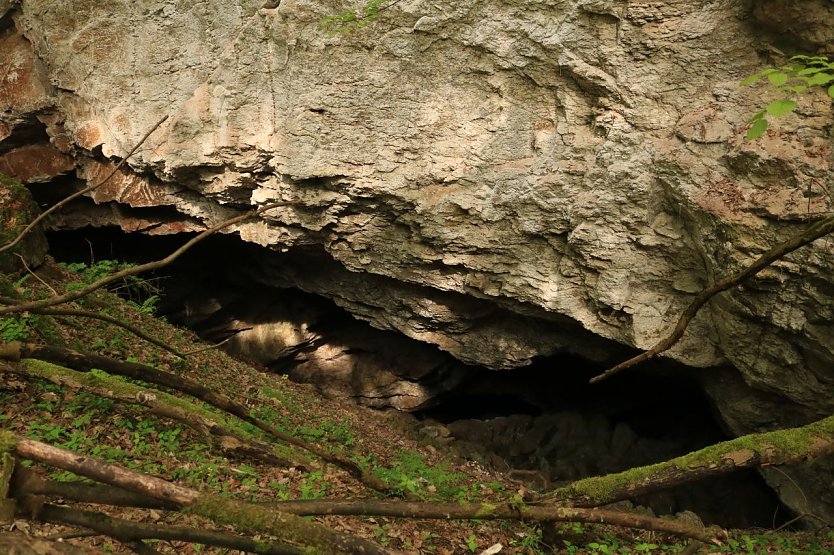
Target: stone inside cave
543, 424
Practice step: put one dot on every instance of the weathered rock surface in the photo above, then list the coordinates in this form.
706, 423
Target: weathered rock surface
500, 179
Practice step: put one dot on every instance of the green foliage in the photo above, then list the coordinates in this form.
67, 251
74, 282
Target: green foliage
530, 538
352, 20
314, 486
15, 328
139, 292
92, 273
410, 473
800, 75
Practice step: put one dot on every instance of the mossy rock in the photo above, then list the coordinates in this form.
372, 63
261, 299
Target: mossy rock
17, 210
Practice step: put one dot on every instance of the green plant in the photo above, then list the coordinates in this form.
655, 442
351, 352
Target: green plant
148, 306
603, 548
131, 287
530, 539
14, 328
313, 486
410, 473
351, 20
798, 76
381, 535
472, 543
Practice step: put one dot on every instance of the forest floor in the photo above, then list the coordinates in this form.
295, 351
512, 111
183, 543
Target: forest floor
387, 443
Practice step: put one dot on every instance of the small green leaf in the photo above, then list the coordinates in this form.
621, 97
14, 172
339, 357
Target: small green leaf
780, 107
820, 79
777, 79
797, 89
757, 130
751, 79
758, 116
831, 91
809, 71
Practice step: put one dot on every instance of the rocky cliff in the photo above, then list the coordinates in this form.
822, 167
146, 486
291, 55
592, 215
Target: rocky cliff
503, 180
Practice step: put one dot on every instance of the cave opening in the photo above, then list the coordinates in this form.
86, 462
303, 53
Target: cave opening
542, 423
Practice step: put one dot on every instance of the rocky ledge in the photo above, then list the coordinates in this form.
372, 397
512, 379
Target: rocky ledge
502, 180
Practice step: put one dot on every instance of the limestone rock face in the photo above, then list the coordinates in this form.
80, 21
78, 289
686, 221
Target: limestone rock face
501, 179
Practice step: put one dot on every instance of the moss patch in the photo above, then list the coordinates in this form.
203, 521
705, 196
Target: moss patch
17, 210
100, 380
7, 441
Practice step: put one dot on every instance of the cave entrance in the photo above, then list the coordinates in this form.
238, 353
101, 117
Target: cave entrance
543, 424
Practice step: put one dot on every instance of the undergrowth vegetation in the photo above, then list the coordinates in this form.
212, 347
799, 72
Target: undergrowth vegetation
135, 438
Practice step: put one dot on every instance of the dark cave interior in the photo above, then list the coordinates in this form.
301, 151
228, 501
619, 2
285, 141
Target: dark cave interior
544, 417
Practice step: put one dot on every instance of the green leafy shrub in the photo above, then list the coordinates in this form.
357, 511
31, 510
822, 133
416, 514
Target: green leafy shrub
801, 74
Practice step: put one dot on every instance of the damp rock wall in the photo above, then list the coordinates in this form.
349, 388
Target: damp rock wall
503, 180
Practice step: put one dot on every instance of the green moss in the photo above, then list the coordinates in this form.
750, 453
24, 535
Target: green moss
7, 441
790, 442
485, 509
260, 519
17, 209
101, 380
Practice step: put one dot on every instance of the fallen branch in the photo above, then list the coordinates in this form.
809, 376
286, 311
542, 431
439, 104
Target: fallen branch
160, 403
253, 517
17, 543
110, 320
155, 265
814, 232
84, 191
491, 511
138, 547
789, 446
28, 482
126, 530
84, 362
245, 517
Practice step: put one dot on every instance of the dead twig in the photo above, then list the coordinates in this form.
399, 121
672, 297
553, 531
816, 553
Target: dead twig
33, 274
814, 232
155, 265
126, 530
215, 345
84, 191
245, 517
110, 320
84, 362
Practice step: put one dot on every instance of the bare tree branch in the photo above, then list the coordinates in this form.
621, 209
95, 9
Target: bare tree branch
86, 361
155, 265
84, 191
28, 482
246, 517
237, 513
160, 403
126, 530
110, 320
814, 232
